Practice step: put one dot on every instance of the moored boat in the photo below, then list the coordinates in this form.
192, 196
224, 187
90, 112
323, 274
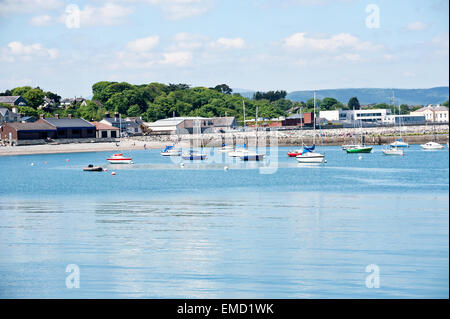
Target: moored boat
310, 157
432, 146
295, 152
170, 151
347, 146
359, 149
399, 143
193, 156
226, 148
119, 159
393, 151
92, 168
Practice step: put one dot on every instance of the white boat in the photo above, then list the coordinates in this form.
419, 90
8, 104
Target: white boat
310, 157
192, 156
393, 151
399, 143
238, 152
432, 146
226, 148
119, 159
171, 151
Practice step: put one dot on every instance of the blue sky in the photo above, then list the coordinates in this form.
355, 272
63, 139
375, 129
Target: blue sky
66, 46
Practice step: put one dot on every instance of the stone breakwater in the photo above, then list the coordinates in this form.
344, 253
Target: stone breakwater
372, 135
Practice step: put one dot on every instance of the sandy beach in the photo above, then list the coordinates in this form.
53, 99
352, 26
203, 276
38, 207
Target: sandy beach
80, 147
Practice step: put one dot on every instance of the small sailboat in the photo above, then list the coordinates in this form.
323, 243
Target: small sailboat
308, 156
432, 146
393, 151
359, 149
399, 142
347, 146
119, 159
238, 152
193, 155
170, 151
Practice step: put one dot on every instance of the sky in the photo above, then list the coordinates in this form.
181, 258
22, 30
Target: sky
66, 46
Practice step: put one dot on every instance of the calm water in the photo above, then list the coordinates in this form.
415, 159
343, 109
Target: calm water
159, 230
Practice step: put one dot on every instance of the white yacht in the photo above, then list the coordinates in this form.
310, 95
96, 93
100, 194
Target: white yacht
432, 146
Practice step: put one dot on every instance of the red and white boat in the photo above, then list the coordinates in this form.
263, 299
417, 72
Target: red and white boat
295, 153
119, 159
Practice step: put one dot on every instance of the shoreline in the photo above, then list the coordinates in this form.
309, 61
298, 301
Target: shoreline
210, 140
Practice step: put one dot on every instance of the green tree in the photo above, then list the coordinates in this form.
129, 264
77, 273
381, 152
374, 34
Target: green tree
353, 103
28, 111
34, 97
134, 110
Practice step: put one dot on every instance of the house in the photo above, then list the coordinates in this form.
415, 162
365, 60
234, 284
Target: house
13, 100
225, 123
7, 115
299, 119
47, 103
181, 125
115, 121
71, 127
105, 130
68, 101
134, 125
435, 114
15, 131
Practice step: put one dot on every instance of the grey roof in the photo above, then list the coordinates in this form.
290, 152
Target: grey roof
295, 116
33, 126
8, 99
223, 121
69, 123
3, 111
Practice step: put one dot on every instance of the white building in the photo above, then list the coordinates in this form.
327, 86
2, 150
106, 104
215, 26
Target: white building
366, 116
438, 113
404, 119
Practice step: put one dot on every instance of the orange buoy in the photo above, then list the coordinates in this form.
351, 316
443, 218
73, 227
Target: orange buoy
113, 173
46, 162
67, 160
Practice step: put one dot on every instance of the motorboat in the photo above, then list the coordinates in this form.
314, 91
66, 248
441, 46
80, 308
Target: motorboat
170, 151
119, 159
308, 156
394, 151
432, 146
252, 157
399, 143
359, 149
192, 155
92, 168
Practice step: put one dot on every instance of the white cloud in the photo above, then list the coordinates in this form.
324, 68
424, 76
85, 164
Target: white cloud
353, 57
336, 42
106, 15
416, 26
43, 20
180, 58
190, 41
143, 44
230, 43
26, 6
176, 9
18, 50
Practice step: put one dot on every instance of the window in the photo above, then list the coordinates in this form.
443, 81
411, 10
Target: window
104, 134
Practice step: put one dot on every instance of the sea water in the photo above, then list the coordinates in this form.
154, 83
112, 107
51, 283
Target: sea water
358, 226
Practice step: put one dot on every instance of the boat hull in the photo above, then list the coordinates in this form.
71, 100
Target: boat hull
170, 153
193, 157
310, 158
393, 152
119, 161
359, 150
252, 157
432, 146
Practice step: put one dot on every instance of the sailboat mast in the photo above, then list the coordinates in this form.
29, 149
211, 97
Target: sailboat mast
314, 122
243, 107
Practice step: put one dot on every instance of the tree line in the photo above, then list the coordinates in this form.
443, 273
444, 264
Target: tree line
155, 101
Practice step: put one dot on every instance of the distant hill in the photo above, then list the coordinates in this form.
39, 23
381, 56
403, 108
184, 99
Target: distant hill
367, 96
